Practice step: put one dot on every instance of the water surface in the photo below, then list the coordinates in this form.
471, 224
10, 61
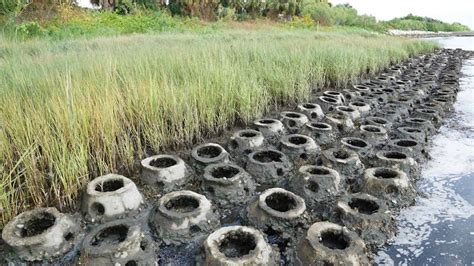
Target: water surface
439, 228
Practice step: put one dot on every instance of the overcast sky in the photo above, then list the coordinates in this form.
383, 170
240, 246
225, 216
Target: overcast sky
450, 11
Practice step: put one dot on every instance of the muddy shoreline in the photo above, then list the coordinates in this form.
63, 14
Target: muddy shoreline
321, 181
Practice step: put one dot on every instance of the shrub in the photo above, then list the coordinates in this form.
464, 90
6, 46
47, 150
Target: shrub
124, 7
321, 13
7, 7
206, 9
226, 13
412, 22
344, 15
29, 29
339, 15
92, 23
252, 8
303, 22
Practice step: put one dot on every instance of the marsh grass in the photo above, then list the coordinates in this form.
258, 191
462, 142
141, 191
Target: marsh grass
73, 110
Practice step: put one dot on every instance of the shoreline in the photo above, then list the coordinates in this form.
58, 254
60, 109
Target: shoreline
429, 34
340, 131
252, 72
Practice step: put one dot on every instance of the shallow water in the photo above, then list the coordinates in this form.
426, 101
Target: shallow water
439, 228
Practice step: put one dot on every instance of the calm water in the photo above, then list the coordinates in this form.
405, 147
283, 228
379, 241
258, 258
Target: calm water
439, 228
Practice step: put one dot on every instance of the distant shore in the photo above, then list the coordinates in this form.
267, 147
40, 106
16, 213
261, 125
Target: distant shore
430, 34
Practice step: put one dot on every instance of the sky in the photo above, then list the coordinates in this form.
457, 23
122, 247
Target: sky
449, 11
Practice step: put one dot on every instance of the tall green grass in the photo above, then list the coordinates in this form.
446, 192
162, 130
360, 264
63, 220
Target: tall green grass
73, 110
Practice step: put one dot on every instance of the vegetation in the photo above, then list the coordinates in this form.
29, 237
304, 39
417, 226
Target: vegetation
71, 23
340, 15
345, 15
24, 19
412, 22
74, 109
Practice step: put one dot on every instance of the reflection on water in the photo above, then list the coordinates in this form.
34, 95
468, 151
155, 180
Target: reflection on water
439, 228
